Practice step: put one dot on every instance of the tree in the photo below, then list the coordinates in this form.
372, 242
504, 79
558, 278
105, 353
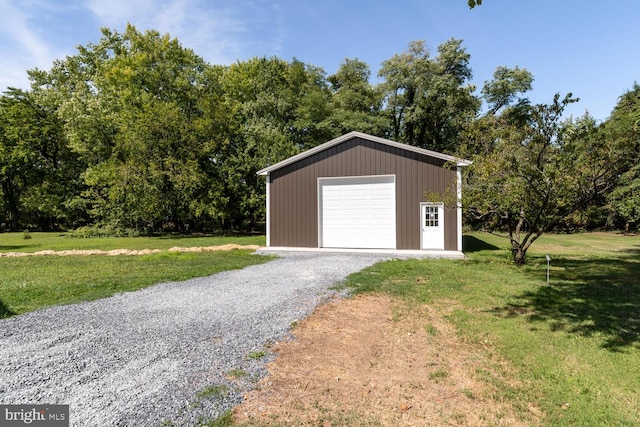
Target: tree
623, 130
429, 101
14, 162
506, 103
474, 3
279, 109
169, 141
38, 172
625, 199
585, 137
129, 104
355, 104
505, 87
534, 176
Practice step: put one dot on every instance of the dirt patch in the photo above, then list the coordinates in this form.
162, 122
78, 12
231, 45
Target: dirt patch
116, 252
370, 361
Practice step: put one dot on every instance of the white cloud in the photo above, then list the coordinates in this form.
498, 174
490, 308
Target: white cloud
22, 47
220, 31
114, 13
13, 74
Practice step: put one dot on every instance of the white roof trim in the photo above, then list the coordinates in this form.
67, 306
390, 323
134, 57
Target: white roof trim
350, 135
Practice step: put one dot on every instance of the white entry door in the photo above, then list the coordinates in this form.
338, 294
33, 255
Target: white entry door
357, 212
432, 225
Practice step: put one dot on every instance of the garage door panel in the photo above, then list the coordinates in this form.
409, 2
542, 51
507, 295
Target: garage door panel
379, 207
358, 212
352, 191
382, 191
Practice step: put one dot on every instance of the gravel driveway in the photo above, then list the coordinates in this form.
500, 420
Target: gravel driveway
164, 354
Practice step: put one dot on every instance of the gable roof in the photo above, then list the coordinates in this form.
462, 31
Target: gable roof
350, 135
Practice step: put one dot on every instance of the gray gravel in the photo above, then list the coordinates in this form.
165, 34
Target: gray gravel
163, 354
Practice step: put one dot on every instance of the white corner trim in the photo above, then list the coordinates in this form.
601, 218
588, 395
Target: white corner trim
319, 213
459, 205
268, 215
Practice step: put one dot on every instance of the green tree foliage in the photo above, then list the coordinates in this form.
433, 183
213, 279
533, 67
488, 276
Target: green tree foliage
278, 108
154, 138
623, 130
586, 138
625, 199
505, 87
534, 176
169, 141
356, 104
506, 106
38, 172
534, 173
429, 101
129, 107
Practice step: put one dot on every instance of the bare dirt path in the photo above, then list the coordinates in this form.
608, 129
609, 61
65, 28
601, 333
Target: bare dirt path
370, 361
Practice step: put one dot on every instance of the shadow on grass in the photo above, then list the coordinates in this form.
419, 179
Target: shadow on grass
5, 311
473, 244
181, 236
15, 247
592, 297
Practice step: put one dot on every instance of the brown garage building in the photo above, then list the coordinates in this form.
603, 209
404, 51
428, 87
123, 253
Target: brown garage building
364, 192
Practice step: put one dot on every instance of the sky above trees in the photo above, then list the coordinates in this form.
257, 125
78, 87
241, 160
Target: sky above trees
584, 47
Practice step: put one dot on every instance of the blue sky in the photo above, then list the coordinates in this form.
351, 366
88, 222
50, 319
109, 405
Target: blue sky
587, 47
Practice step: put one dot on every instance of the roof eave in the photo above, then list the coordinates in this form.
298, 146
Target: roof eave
459, 162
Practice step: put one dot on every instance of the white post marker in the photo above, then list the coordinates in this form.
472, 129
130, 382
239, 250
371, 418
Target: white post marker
548, 265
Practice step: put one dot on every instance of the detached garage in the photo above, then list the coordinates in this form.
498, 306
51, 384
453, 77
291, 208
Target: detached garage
363, 192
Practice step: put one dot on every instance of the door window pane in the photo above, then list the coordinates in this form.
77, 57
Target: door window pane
431, 216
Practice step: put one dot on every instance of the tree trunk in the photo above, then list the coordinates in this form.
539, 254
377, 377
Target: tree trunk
11, 200
519, 254
519, 247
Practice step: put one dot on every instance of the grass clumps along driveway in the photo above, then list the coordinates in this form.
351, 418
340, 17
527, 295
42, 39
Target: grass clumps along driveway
30, 283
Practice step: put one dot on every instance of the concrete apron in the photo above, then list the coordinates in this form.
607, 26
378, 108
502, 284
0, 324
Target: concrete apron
391, 253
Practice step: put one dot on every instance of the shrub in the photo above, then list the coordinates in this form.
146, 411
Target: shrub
102, 230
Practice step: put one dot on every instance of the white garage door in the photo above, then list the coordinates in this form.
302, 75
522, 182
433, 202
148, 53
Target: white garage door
358, 212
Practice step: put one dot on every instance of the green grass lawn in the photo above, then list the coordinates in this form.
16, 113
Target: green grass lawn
30, 283
573, 346
15, 242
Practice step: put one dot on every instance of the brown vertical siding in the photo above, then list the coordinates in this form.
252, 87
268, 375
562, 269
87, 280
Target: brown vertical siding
294, 190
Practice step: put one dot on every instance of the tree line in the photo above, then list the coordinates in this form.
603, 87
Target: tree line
138, 132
